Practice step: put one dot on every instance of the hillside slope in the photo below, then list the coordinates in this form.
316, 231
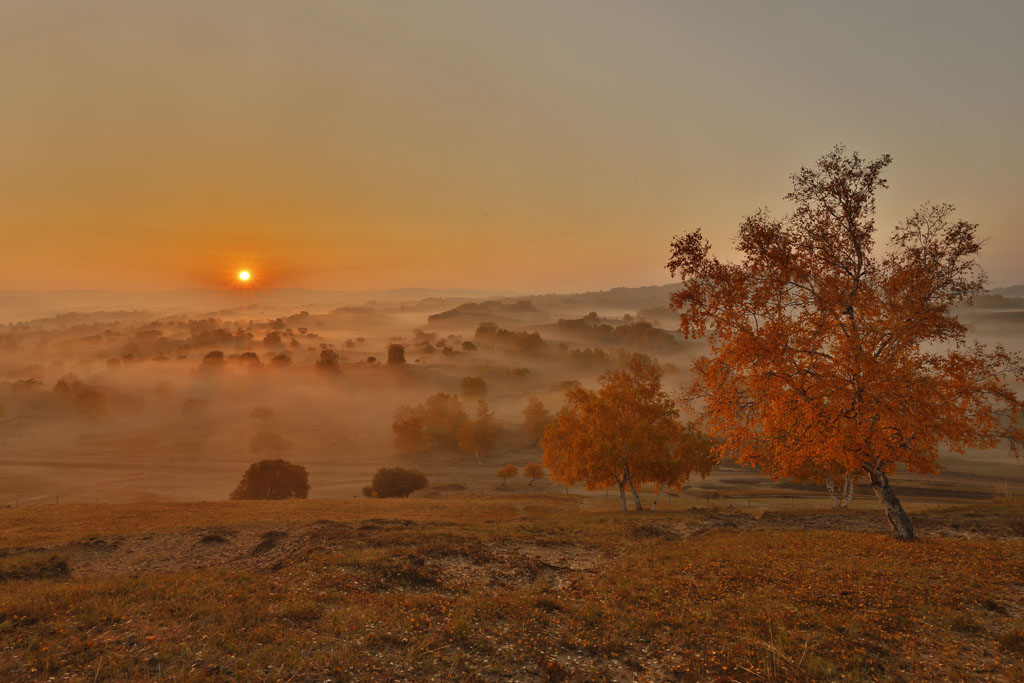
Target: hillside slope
527, 587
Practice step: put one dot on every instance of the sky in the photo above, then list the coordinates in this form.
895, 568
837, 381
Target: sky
502, 145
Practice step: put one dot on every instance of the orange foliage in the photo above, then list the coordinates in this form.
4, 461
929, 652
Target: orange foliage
534, 471
626, 433
828, 359
506, 472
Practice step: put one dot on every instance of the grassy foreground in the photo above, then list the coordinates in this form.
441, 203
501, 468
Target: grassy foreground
487, 588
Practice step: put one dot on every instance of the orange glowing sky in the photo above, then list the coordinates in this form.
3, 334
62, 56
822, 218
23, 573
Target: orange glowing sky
501, 145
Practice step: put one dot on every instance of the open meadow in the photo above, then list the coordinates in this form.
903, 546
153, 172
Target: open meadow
538, 587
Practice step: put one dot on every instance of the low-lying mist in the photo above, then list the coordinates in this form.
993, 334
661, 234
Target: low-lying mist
126, 405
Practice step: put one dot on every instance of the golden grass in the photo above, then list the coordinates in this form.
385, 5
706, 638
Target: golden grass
471, 588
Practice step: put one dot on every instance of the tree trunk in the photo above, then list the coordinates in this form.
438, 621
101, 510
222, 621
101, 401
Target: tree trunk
899, 523
636, 496
840, 499
848, 491
622, 494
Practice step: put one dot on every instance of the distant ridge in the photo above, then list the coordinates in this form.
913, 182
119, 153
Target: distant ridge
1015, 290
18, 306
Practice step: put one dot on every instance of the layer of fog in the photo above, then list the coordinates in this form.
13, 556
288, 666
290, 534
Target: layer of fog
116, 406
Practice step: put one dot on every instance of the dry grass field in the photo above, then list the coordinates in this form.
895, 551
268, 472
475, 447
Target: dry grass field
516, 587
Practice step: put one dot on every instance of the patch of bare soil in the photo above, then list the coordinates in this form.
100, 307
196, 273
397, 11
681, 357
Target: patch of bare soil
546, 566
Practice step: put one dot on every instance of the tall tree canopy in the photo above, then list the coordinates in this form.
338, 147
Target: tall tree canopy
830, 357
627, 433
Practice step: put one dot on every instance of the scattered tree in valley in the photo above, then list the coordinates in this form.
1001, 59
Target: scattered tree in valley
396, 354
828, 359
442, 417
434, 423
534, 471
272, 480
328, 361
506, 472
478, 436
395, 482
213, 359
407, 426
626, 433
473, 387
490, 335
536, 417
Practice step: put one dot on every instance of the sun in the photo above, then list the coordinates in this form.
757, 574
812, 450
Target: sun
244, 275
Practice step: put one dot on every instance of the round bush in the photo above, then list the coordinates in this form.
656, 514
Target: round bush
272, 480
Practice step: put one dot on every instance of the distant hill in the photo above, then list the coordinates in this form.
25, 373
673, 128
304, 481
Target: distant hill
651, 302
616, 300
997, 301
16, 306
1014, 291
473, 313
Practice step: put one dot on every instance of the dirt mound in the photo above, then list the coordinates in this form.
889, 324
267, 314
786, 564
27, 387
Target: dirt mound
268, 540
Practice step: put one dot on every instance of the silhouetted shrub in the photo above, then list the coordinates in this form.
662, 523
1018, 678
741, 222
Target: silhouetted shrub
272, 480
521, 342
213, 359
473, 387
395, 482
328, 360
396, 354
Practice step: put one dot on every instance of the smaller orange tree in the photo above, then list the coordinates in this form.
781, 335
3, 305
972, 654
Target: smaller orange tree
627, 433
506, 472
534, 471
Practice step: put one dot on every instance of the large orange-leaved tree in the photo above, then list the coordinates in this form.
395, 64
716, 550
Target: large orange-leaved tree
625, 434
831, 357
